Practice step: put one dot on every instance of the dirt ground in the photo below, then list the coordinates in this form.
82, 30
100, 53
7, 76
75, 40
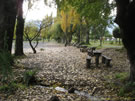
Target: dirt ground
66, 67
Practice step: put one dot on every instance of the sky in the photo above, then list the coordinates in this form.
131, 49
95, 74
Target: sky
39, 11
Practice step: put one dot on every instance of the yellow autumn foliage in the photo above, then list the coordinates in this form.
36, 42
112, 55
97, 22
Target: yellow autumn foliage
69, 17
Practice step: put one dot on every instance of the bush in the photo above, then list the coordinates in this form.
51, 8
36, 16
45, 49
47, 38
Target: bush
111, 42
11, 87
128, 90
121, 76
29, 77
6, 61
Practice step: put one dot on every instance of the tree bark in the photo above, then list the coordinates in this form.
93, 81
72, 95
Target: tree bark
66, 39
87, 36
2, 24
78, 36
7, 23
126, 20
101, 41
19, 30
33, 48
11, 23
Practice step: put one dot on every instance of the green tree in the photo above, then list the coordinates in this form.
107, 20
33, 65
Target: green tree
69, 21
117, 34
33, 30
94, 12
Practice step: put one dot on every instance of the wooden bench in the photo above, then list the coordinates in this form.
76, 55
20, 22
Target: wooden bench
97, 54
90, 51
88, 61
92, 48
83, 48
106, 60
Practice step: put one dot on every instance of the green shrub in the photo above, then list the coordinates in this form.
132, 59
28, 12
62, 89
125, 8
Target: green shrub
121, 76
29, 77
128, 90
6, 62
111, 42
11, 87
41, 49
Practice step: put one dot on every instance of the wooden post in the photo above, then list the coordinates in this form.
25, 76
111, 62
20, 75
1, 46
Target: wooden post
108, 62
88, 62
103, 59
97, 55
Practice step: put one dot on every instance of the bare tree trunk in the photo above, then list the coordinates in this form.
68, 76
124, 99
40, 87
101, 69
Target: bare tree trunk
7, 23
70, 39
33, 48
66, 39
87, 37
19, 30
19, 37
2, 23
78, 36
11, 23
126, 20
119, 41
101, 41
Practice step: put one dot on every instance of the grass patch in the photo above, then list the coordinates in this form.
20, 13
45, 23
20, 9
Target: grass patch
6, 62
11, 87
121, 76
125, 88
128, 90
121, 49
41, 49
20, 57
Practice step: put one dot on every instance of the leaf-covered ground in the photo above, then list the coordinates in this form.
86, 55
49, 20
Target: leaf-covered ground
66, 67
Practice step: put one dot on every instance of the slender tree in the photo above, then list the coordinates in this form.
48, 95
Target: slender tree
33, 30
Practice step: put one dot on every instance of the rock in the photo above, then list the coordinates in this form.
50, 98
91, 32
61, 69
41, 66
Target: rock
54, 98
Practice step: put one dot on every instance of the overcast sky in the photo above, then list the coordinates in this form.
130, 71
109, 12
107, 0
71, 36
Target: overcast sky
39, 11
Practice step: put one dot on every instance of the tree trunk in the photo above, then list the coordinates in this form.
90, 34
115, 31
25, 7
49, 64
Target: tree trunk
19, 30
11, 23
19, 37
119, 41
66, 39
101, 41
78, 36
70, 38
34, 50
126, 20
2, 23
87, 36
66, 42
7, 23
116, 40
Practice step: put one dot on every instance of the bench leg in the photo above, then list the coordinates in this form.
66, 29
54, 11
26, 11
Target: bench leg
108, 63
97, 60
103, 60
88, 63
